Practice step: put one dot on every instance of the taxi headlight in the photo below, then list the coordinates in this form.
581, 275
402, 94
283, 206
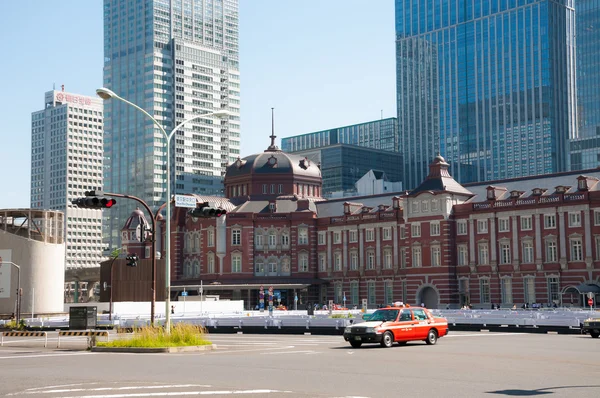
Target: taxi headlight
369, 330
348, 329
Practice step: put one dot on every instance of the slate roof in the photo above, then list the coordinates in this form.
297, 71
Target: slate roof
440, 180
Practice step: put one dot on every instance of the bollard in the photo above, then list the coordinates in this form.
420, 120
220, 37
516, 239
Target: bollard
308, 323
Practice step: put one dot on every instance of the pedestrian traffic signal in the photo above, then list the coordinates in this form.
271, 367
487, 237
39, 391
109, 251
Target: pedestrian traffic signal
132, 260
206, 211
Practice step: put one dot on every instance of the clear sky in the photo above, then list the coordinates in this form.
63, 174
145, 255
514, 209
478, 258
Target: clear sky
319, 63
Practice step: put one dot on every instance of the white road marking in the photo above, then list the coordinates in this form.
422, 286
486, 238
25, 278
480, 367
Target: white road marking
47, 355
41, 391
288, 352
165, 394
486, 334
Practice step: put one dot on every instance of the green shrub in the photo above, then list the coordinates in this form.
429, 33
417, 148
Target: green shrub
156, 337
348, 315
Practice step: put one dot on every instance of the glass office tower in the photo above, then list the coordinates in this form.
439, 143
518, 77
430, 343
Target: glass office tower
585, 149
489, 84
377, 134
176, 59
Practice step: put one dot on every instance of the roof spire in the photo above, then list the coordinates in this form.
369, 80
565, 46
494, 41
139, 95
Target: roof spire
273, 147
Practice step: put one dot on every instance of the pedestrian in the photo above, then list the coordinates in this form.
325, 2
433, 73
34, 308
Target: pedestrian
172, 309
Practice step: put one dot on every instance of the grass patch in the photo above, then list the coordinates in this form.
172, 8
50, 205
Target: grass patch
181, 335
348, 315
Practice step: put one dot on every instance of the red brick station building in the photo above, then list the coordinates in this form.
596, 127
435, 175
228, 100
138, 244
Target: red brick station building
510, 242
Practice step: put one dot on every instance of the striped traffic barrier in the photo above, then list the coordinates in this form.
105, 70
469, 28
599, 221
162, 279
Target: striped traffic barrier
86, 333
24, 334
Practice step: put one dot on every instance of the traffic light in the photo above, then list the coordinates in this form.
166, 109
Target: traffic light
94, 200
206, 211
132, 260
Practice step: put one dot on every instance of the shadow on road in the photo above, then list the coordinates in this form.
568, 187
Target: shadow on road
539, 391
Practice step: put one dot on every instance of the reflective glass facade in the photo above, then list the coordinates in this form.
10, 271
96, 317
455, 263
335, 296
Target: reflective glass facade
378, 134
489, 84
585, 150
176, 59
342, 165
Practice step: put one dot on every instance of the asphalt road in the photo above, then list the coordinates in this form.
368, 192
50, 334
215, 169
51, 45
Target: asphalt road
460, 365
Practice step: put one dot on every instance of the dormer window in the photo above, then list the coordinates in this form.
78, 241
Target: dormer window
491, 193
346, 208
304, 163
561, 189
537, 191
396, 202
582, 184
515, 194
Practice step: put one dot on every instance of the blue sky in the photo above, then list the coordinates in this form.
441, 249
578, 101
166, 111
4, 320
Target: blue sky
319, 63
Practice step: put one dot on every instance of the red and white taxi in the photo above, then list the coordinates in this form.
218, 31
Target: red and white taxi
398, 323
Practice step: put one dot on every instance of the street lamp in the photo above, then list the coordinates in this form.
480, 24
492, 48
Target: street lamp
106, 94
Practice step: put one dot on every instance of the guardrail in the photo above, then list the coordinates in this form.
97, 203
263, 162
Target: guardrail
87, 333
24, 334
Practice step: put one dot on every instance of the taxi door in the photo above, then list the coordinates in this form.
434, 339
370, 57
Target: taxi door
421, 324
404, 330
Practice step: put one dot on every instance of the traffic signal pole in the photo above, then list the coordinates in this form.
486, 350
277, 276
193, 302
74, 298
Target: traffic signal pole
153, 255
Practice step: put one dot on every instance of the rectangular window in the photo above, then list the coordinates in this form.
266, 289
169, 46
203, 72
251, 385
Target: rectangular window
403, 232
526, 223
551, 251
337, 258
387, 233
369, 235
272, 240
354, 293
236, 263
322, 238
303, 236
236, 237
575, 219
322, 262
436, 254
211, 264
461, 227
503, 225
404, 291
435, 229
353, 236
210, 238
505, 253
529, 289
371, 293
596, 217
337, 237
387, 259
353, 261
285, 239
403, 257
484, 290
389, 292
482, 226
303, 266
549, 221
576, 249
484, 257
258, 241
264, 188
370, 260
553, 292
415, 230
506, 290
416, 257
463, 255
527, 252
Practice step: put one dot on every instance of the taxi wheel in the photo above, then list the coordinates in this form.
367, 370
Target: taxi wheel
387, 340
432, 337
594, 334
355, 344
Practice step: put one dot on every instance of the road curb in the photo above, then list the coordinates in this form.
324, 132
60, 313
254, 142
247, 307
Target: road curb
167, 350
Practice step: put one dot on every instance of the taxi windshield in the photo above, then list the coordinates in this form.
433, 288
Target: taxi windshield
384, 315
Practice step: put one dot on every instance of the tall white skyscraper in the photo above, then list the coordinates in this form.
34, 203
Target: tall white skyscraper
176, 59
66, 161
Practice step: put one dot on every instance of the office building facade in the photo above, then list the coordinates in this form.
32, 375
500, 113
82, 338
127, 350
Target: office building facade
585, 149
491, 84
342, 165
66, 161
377, 134
176, 59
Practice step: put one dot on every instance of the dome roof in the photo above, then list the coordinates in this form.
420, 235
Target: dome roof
273, 161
